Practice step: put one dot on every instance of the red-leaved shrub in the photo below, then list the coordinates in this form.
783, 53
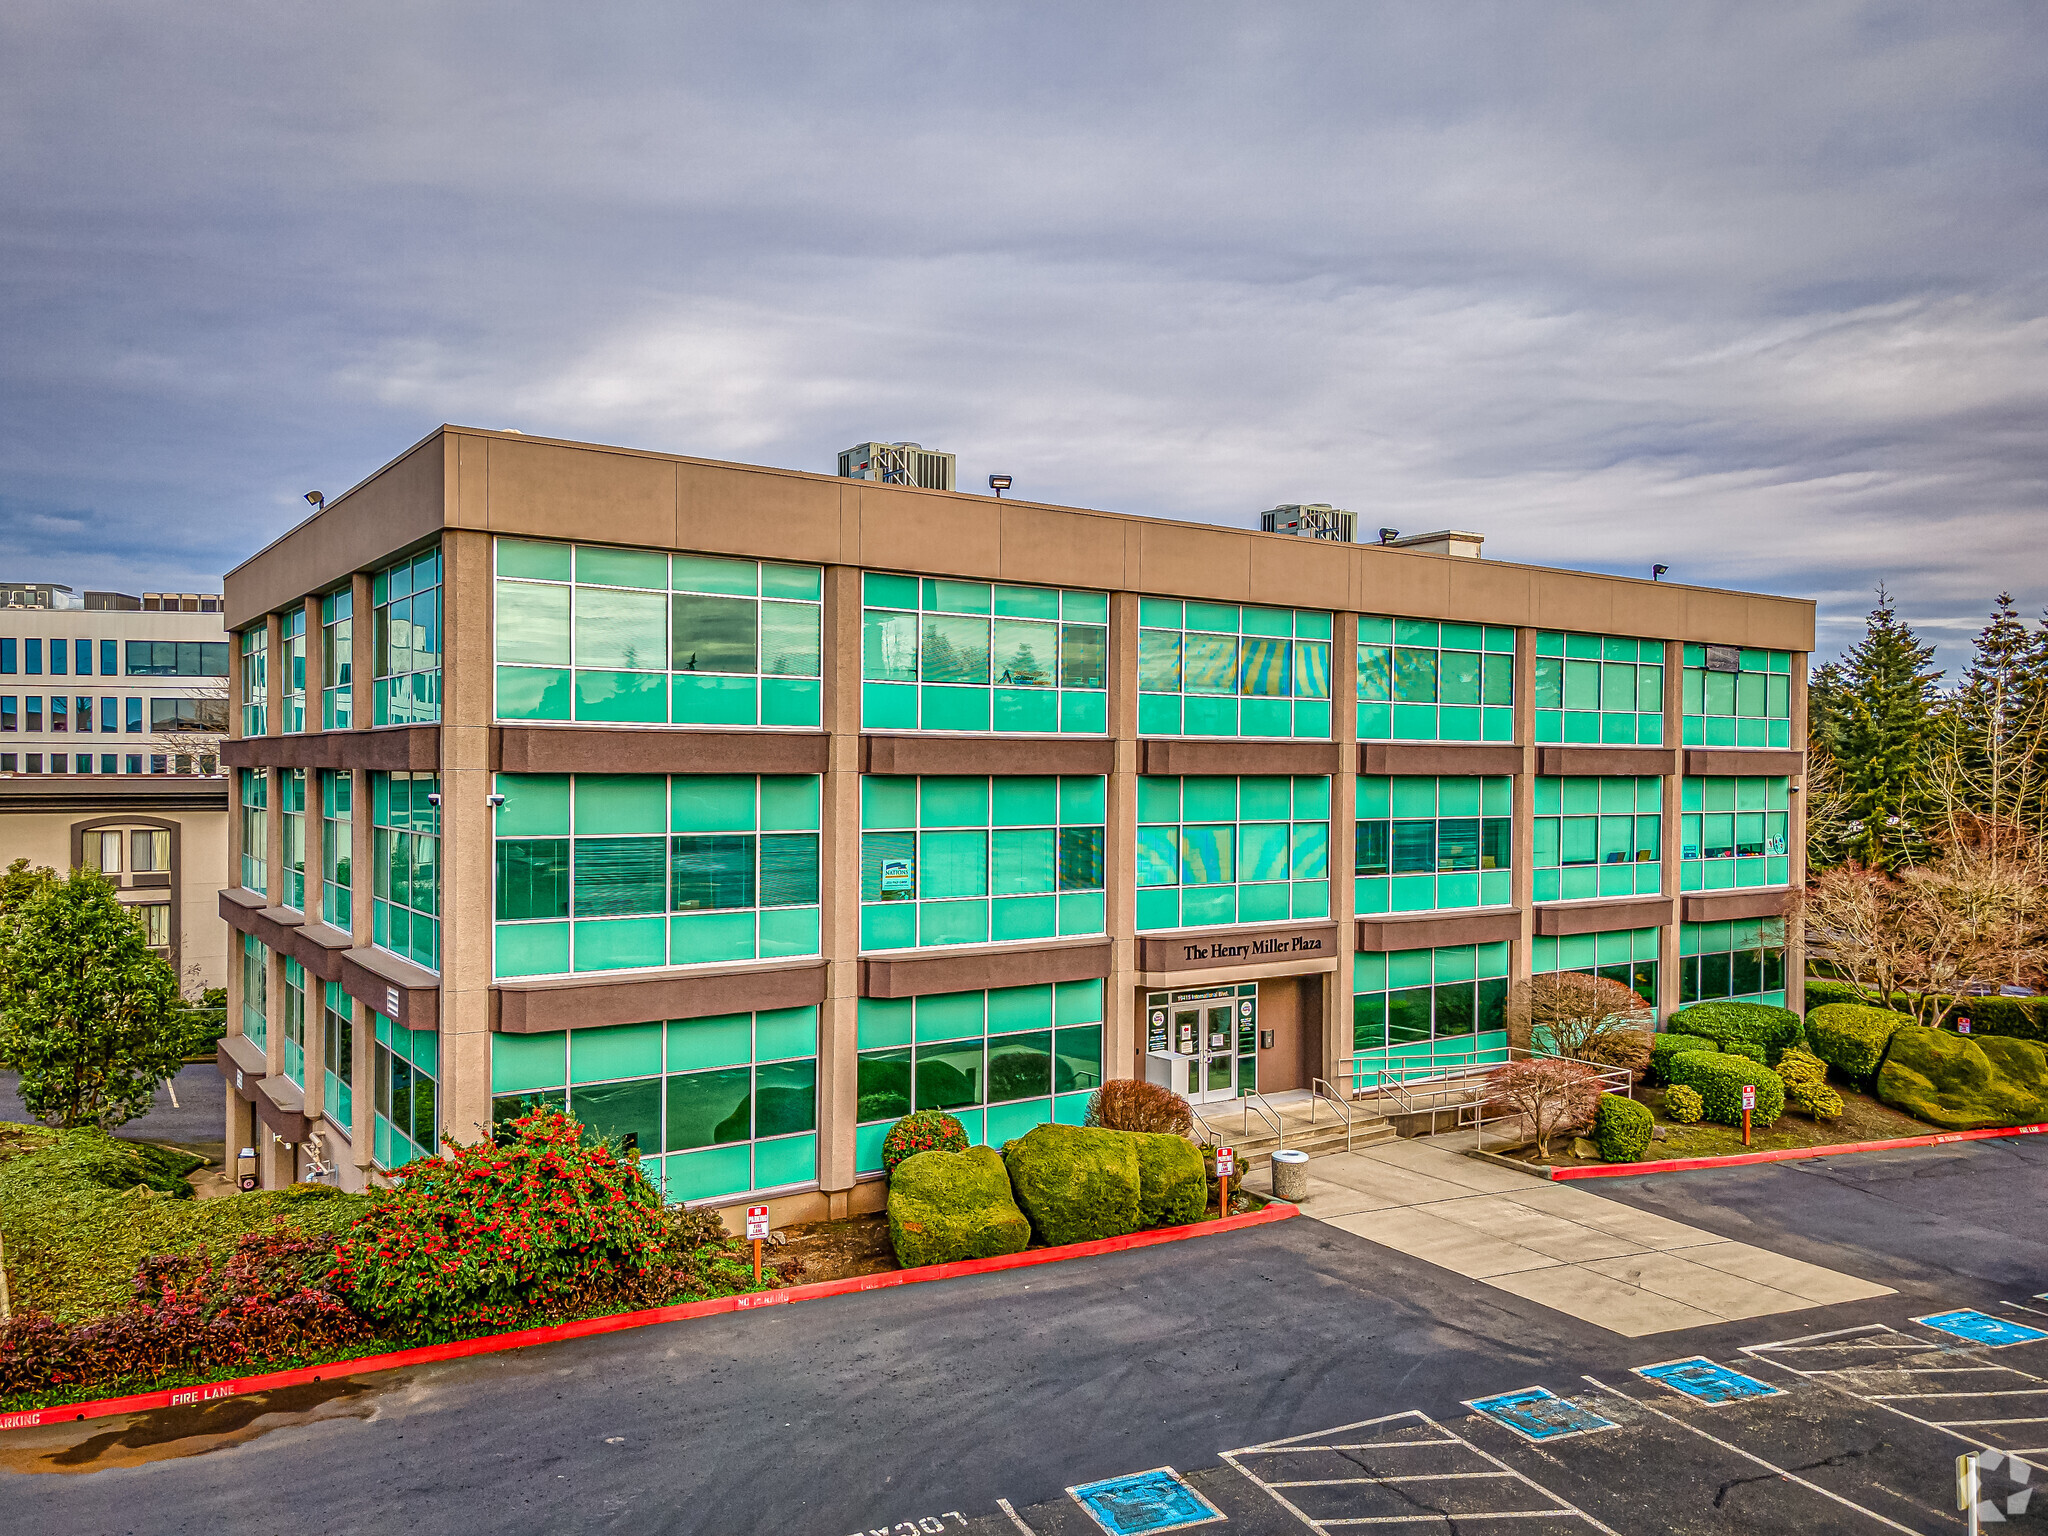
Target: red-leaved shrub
1132, 1104
928, 1130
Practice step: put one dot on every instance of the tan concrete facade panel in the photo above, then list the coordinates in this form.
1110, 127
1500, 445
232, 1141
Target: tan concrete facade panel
1563, 918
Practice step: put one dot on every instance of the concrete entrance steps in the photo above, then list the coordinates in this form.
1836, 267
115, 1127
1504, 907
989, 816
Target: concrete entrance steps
1252, 1135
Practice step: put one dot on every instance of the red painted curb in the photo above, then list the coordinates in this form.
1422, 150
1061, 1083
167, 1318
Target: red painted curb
1793, 1154
618, 1322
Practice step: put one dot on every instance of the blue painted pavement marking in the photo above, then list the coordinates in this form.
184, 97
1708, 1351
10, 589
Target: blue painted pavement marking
1144, 1502
1982, 1328
1539, 1414
1699, 1378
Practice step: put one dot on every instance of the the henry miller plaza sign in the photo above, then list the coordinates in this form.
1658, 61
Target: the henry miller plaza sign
1251, 946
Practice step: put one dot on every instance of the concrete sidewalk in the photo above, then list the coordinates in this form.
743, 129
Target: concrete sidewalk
1621, 1269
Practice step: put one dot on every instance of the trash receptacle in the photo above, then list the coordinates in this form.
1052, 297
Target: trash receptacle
1290, 1176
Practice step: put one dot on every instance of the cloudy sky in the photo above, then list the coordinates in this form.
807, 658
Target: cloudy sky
1756, 291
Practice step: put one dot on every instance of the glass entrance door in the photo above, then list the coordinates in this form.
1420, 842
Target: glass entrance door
1204, 1044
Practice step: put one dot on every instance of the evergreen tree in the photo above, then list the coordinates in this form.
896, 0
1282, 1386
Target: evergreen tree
1879, 726
1994, 725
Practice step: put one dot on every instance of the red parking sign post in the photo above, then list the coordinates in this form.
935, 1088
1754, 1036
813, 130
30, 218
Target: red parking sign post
757, 1230
1748, 1104
1226, 1165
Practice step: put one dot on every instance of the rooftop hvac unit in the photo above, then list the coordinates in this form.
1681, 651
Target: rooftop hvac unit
1315, 520
898, 464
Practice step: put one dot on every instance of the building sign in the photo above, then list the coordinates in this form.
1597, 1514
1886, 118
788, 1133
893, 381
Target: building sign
1155, 1029
1213, 949
896, 875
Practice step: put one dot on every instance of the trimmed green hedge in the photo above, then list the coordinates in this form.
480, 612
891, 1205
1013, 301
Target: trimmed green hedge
953, 1205
1775, 1029
1683, 1104
1851, 1037
1962, 1083
1173, 1181
1076, 1183
1719, 1078
2017, 1018
1664, 1047
1622, 1127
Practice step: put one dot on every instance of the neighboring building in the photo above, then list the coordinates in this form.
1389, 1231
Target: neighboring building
743, 810
112, 708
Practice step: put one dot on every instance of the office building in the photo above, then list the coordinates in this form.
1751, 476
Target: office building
742, 810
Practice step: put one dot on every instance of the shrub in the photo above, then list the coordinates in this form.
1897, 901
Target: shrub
1551, 1093
1806, 1084
1628, 1048
1132, 1104
1822, 990
953, 1205
545, 1219
929, 1130
1666, 1046
1747, 1049
2017, 1018
1851, 1037
1076, 1183
1622, 1127
1719, 1078
1683, 1104
1776, 1029
1173, 1181
1961, 1083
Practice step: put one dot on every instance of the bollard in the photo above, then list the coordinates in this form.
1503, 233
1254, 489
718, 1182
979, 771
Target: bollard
1290, 1176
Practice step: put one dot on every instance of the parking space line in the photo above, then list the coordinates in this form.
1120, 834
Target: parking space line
1491, 1470
1790, 1477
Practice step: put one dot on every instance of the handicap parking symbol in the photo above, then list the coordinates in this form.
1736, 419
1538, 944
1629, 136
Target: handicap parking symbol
1144, 1502
1703, 1381
1982, 1328
1537, 1413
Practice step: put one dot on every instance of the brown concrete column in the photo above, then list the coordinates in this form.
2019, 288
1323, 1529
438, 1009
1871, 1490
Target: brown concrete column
273, 692
839, 889
362, 651
1673, 798
466, 835
363, 1151
1795, 846
1522, 806
1121, 1003
277, 1164
1336, 1015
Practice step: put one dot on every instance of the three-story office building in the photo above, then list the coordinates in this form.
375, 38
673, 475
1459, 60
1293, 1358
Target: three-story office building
743, 810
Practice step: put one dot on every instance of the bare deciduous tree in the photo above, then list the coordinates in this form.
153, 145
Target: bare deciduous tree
1568, 1014
1552, 1094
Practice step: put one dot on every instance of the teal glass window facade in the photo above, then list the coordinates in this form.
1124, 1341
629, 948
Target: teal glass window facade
967, 656
405, 1093
294, 632
406, 633
1599, 689
291, 784
1412, 1007
337, 845
1000, 1062
337, 660
1427, 843
255, 798
1740, 960
1732, 832
405, 856
1419, 680
255, 645
294, 1021
1737, 697
716, 1106
638, 637
255, 991
1597, 837
338, 1056
1218, 669
1627, 955
1219, 849
610, 872
948, 859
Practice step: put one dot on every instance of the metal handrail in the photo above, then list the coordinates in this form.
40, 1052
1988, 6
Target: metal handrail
1320, 1089
1208, 1130
1265, 1112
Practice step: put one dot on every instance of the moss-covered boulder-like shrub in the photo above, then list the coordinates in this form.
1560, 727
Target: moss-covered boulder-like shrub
1683, 1104
1960, 1083
1076, 1183
929, 1130
953, 1205
1719, 1079
1622, 1128
1173, 1182
1851, 1037
1665, 1046
1725, 1023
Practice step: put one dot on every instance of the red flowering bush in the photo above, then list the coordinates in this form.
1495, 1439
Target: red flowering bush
269, 1302
545, 1218
928, 1130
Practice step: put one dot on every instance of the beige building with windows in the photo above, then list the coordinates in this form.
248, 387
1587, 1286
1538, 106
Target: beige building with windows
741, 811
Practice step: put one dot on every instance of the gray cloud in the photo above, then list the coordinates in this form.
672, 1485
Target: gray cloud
1753, 291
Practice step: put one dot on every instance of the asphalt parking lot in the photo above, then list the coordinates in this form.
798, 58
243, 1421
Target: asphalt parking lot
1297, 1376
